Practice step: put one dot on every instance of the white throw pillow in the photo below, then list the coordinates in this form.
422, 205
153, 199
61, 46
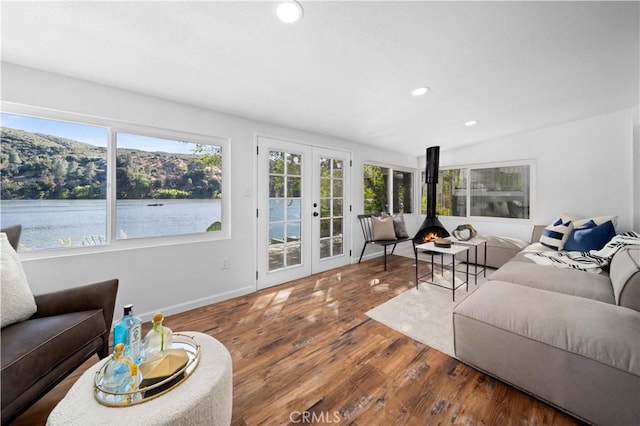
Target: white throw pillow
16, 300
555, 235
382, 228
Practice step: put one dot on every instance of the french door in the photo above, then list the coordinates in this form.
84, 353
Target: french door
304, 222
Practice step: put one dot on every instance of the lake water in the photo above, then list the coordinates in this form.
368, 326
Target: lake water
47, 223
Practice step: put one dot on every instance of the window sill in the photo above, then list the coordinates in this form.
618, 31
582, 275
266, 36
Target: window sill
122, 245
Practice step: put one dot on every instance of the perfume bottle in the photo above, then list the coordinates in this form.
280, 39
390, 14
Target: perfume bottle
121, 376
159, 337
128, 331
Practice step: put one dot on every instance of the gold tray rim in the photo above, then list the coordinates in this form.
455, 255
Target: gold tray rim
194, 357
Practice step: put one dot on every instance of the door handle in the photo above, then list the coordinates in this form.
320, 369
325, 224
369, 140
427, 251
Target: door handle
316, 214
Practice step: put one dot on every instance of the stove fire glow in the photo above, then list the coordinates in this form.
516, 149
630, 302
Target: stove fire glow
430, 236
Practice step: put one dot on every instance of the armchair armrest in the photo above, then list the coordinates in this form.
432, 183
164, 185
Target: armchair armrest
100, 295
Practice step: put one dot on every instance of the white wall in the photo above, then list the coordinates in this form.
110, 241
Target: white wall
177, 277
584, 167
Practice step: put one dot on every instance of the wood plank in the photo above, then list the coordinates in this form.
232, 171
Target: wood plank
305, 350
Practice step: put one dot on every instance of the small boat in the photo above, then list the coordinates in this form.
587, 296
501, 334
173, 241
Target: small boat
155, 204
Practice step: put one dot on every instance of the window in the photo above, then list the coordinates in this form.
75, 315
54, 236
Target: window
502, 191
386, 189
54, 180
54, 183
401, 195
166, 187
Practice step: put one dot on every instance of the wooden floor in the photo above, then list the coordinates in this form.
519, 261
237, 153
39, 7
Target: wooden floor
305, 350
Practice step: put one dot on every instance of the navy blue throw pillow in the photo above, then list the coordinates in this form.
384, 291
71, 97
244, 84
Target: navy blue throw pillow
590, 236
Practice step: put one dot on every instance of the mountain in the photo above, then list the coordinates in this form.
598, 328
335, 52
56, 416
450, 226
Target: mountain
40, 166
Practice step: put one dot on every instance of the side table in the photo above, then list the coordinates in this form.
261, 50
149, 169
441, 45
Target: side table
475, 243
204, 398
452, 251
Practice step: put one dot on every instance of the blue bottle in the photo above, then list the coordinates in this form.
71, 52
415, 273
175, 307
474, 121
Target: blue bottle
128, 331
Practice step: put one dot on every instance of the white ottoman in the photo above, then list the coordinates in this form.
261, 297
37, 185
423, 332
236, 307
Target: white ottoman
204, 398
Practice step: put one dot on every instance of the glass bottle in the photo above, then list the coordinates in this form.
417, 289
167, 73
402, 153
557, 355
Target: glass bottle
128, 331
159, 337
121, 375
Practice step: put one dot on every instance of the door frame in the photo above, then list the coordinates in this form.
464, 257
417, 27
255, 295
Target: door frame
348, 191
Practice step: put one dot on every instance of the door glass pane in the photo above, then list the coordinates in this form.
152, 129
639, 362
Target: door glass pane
331, 207
325, 228
337, 245
337, 169
337, 207
285, 210
293, 209
325, 248
325, 207
294, 164
337, 227
276, 162
325, 188
325, 168
276, 186
293, 187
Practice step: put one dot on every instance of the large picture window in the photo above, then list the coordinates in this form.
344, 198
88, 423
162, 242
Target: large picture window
387, 190
166, 187
54, 177
500, 191
54, 180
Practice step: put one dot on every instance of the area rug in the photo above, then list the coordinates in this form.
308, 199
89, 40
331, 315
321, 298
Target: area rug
424, 314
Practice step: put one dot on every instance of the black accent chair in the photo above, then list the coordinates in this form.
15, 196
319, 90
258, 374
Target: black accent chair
367, 232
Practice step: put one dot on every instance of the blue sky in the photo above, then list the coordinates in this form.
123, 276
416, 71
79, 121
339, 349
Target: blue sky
93, 135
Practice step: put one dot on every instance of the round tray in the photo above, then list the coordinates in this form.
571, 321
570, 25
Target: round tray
144, 394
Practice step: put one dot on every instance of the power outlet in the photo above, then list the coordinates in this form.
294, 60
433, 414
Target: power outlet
225, 263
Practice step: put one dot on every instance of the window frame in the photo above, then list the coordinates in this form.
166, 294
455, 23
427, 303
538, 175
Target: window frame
112, 243
512, 163
389, 181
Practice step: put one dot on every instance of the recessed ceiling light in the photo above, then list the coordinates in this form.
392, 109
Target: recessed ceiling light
420, 91
471, 123
289, 11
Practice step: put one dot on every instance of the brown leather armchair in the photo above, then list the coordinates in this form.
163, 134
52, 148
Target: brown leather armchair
69, 327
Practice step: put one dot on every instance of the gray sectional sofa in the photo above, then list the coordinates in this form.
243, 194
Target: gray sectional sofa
568, 337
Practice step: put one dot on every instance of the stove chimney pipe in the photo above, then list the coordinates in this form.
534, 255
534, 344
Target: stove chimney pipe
433, 160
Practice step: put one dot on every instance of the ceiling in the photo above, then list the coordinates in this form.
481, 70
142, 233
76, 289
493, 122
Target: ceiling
347, 69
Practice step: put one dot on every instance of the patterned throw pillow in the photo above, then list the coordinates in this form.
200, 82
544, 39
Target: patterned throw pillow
382, 228
590, 236
555, 235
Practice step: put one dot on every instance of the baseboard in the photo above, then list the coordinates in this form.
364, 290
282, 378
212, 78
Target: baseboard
198, 303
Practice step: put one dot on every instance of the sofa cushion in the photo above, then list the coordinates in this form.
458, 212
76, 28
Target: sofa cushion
560, 280
578, 354
555, 235
16, 300
624, 272
37, 344
499, 250
590, 236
